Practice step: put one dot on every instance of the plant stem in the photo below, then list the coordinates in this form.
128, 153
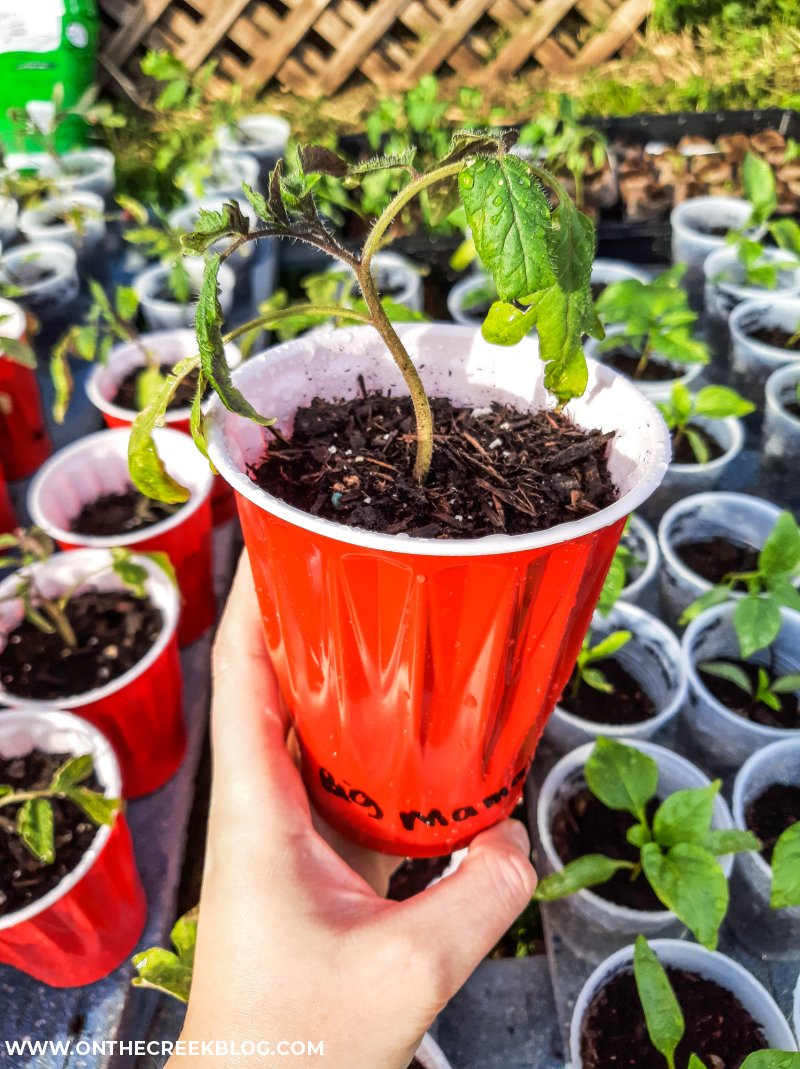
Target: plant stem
644, 359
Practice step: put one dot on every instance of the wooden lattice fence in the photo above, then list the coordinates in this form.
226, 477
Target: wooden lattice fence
315, 47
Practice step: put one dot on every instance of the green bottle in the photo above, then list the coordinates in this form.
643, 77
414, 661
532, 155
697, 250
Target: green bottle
44, 43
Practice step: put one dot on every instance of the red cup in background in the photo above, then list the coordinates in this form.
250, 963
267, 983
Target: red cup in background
420, 673
97, 465
24, 441
140, 712
91, 922
8, 518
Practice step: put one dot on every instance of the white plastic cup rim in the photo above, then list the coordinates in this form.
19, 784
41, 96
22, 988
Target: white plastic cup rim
653, 459
700, 622
147, 281
103, 376
457, 293
771, 353
734, 428
38, 724
683, 214
391, 262
606, 269
180, 457
275, 129
788, 375
575, 760
79, 562
662, 389
627, 619
753, 764
724, 258
34, 220
12, 319
691, 957
62, 258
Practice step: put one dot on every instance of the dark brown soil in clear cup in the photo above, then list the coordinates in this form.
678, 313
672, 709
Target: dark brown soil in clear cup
126, 395
682, 452
122, 513
715, 558
771, 813
741, 703
583, 825
629, 704
114, 630
719, 1030
626, 361
496, 472
24, 879
777, 338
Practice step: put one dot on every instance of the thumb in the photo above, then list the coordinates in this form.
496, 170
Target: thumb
461, 918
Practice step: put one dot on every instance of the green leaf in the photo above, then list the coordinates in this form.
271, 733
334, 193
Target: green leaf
99, 809
758, 183
149, 383
786, 233
133, 575
717, 595
610, 645
559, 328
73, 771
783, 590
173, 94
689, 881
732, 673
786, 869
509, 216
621, 776
17, 351
681, 401
721, 841
505, 324
697, 444
771, 1059
163, 66
146, 467
586, 871
134, 209
757, 621
787, 684
208, 326
35, 828
161, 559
596, 680
662, 1013
166, 971
695, 1062
126, 301
781, 551
685, 816
720, 402
212, 226
61, 377
613, 585
196, 417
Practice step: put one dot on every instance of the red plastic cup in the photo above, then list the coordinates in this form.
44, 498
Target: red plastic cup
91, 922
140, 712
169, 346
24, 441
8, 518
420, 673
98, 464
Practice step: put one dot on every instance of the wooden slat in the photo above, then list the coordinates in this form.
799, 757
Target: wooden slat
465, 13
378, 21
528, 37
293, 28
131, 34
625, 21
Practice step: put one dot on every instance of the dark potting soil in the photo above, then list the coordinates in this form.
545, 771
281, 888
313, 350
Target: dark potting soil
629, 704
115, 514
414, 875
735, 699
682, 452
778, 338
23, 879
114, 630
583, 825
125, 396
626, 361
164, 292
710, 230
597, 289
502, 471
768, 816
714, 558
793, 407
719, 1030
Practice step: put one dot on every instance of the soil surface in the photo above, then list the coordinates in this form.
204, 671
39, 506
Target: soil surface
711, 231
719, 1030
598, 288
498, 472
414, 875
682, 452
23, 879
583, 825
115, 514
629, 704
768, 816
114, 630
735, 699
778, 338
626, 361
125, 396
714, 558
794, 408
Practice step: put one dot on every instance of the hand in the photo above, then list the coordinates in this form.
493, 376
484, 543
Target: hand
293, 944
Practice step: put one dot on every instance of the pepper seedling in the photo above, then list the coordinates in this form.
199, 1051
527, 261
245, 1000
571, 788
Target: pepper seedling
770, 586
623, 561
665, 1022
539, 257
711, 402
166, 970
653, 318
785, 889
766, 689
759, 187
586, 670
34, 821
162, 241
678, 848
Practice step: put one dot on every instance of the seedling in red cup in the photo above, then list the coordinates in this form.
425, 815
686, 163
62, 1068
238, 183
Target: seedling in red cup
678, 847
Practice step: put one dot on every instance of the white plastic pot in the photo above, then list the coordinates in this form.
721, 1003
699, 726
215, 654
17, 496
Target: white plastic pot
430, 1055
263, 136
591, 925
50, 298
94, 172
725, 284
9, 212
642, 590
723, 739
743, 519
777, 476
390, 269
688, 219
225, 182
39, 163
169, 346
185, 219
655, 391
690, 957
652, 657
683, 480
796, 1010
163, 314
457, 295
605, 271
37, 224
763, 930
753, 361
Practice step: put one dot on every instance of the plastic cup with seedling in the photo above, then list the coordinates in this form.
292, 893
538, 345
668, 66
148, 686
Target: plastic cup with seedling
711, 402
